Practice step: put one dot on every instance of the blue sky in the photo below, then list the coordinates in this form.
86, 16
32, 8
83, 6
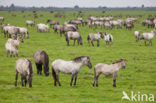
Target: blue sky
81, 3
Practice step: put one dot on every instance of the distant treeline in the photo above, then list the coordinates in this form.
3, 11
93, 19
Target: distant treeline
12, 7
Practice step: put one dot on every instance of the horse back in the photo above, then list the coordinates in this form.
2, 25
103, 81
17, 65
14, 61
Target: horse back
22, 66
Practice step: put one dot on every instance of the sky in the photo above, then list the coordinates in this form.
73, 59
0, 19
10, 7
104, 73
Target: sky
80, 3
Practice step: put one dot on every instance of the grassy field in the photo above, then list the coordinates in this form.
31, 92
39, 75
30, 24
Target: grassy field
140, 74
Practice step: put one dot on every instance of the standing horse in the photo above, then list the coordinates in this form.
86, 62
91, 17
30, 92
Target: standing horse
95, 37
137, 35
24, 67
73, 36
108, 39
69, 67
148, 37
106, 69
41, 58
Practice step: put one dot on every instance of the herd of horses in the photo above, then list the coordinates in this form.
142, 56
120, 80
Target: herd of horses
70, 30
41, 58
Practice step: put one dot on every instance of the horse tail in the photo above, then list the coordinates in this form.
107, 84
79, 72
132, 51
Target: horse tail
88, 38
30, 67
46, 63
110, 38
53, 73
94, 73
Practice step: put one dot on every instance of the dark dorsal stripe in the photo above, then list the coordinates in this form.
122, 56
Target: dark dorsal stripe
118, 61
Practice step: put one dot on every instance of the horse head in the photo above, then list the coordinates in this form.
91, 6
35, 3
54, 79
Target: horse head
123, 63
81, 43
89, 64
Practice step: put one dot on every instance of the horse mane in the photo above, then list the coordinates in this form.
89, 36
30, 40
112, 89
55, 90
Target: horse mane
119, 61
77, 59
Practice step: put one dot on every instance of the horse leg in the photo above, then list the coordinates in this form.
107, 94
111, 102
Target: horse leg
75, 78
74, 42
73, 75
22, 80
92, 43
40, 69
37, 68
16, 77
98, 43
67, 42
25, 82
97, 80
11, 53
114, 80
57, 77
151, 42
54, 75
89, 42
94, 78
78, 41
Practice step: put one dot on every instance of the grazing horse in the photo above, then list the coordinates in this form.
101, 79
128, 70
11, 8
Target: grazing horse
41, 58
106, 69
69, 67
129, 26
52, 23
30, 22
95, 37
25, 68
73, 36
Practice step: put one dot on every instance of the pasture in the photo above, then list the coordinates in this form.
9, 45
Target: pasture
139, 75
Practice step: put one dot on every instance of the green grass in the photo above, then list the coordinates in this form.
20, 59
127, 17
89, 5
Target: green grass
140, 74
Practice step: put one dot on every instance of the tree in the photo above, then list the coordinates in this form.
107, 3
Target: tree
142, 6
76, 6
12, 5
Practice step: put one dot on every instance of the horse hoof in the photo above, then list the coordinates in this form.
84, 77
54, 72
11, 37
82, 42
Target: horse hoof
114, 86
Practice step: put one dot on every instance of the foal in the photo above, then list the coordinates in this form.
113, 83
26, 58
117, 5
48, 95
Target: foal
69, 67
106, 69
